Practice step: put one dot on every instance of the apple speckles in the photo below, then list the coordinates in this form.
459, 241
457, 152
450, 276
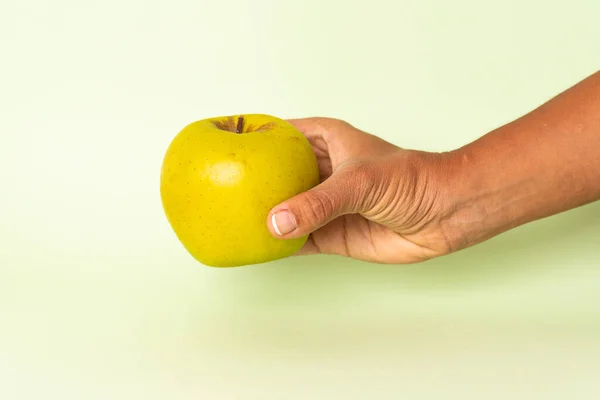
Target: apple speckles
209, 197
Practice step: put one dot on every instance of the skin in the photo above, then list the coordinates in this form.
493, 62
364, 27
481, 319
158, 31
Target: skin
380, 203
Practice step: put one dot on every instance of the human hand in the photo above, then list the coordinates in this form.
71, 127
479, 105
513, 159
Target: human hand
377, 202
381, 203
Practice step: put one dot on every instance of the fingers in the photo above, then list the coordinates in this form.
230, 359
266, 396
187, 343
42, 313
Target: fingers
343, 140
309, 248
310, 127
345, 192
304, 124
321, 126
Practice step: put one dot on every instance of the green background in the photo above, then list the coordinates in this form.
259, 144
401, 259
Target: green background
98, 300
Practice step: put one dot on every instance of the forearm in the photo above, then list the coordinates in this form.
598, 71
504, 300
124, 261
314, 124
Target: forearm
544, 163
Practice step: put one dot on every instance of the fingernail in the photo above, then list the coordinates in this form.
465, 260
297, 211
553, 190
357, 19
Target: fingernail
284, 222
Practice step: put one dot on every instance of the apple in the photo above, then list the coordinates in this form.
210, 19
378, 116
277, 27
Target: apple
221, 176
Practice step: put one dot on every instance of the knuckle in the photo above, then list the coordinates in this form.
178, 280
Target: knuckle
362, 176
362, 183
339, 124
331, 123
318, 207
362, 172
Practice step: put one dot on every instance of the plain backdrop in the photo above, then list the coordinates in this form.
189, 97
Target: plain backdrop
98, 300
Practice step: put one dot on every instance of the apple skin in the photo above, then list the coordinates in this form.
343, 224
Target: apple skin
217, 186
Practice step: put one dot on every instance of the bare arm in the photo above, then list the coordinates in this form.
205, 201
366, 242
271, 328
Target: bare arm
382, 203
542, 164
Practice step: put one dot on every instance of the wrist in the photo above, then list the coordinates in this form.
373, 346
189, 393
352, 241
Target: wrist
459, 217
487, 193
464, 220
438, 188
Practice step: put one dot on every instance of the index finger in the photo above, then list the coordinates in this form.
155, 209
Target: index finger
310, 127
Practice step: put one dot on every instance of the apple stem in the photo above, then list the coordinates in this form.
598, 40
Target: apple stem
240, 124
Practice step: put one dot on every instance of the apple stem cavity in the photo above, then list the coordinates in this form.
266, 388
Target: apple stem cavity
240, 124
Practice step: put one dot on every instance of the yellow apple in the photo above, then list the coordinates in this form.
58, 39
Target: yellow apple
221, 176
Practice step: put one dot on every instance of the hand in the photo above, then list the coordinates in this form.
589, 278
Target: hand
380, 203
377, 202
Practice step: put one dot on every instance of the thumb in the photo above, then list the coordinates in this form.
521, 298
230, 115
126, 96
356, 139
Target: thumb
344, 192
